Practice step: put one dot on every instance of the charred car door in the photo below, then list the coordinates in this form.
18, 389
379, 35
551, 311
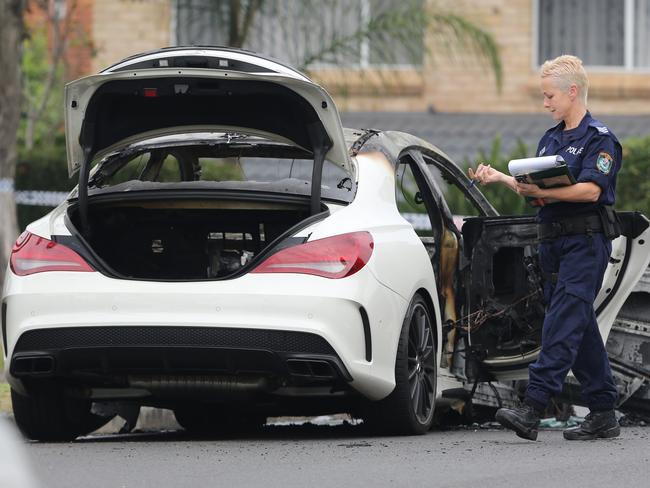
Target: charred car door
442, 179
499, 302
504, 299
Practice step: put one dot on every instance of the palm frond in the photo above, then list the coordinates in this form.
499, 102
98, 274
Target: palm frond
346, 33
399, 33
469, 35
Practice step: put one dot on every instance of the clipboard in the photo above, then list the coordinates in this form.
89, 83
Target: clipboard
545, 172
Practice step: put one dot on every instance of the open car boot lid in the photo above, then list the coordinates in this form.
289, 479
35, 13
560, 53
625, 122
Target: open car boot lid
208, 87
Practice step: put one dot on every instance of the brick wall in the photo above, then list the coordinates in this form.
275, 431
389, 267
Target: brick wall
372, 90
456, 80
450, 80
467, 86
80, 50
125, 27
462, 82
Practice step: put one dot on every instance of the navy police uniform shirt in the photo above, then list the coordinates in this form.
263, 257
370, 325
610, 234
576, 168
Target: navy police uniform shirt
592, 153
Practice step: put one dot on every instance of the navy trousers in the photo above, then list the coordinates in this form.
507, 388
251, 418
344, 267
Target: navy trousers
570, 337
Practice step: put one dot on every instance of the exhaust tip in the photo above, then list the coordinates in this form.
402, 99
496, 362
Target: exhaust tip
32, 365
310, 368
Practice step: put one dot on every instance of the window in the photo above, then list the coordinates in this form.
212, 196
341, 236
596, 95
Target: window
272, 168
169, 171
603, 33
458, 203
130, 170
147, 166
642, 33
303, 32
411, 199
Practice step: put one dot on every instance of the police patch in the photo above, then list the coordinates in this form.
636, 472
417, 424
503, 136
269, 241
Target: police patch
604, 163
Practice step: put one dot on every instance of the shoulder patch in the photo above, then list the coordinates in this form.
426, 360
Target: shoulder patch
604, 163
542, 151
602, 130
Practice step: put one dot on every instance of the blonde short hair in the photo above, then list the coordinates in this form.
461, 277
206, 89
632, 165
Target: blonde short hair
567, 70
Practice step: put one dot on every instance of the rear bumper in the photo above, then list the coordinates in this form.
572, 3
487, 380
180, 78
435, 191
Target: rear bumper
113, 356
285, 326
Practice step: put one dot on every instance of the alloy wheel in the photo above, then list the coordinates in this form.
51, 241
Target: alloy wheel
421, 364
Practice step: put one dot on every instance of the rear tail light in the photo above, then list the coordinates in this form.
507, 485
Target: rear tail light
331, 257
33, 254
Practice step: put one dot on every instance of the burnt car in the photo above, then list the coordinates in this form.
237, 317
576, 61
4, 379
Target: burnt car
232, 252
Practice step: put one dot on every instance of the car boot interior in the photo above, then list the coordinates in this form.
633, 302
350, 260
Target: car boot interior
185, 240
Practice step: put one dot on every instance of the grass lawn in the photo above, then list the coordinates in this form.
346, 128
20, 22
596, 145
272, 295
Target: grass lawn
5, 398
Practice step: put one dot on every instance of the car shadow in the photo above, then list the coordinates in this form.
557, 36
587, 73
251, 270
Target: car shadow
307, 431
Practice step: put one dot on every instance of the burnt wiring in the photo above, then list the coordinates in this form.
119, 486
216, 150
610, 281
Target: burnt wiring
358, 144
476, 319
496, 394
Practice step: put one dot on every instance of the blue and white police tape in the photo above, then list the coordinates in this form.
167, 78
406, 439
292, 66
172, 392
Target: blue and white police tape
6, 185
419, 221
33, 197
40, 198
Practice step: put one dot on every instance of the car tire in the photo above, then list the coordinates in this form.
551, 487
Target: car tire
47, 414
408, 410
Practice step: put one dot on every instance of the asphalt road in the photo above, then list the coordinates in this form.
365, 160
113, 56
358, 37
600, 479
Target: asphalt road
343, 456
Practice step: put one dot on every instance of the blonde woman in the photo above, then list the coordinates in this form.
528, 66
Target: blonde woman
574, 252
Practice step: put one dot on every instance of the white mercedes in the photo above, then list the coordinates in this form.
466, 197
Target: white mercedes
232, 253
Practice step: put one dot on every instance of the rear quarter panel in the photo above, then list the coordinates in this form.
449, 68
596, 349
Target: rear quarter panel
399, 260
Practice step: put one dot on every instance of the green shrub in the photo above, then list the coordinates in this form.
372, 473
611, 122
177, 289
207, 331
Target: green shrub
633, 182
5, 398
504, 200
43, 168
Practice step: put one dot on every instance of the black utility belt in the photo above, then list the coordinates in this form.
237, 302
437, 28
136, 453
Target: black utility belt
584, 224
604, 220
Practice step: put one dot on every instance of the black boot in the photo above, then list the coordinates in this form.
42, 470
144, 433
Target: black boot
596, 424
523, 420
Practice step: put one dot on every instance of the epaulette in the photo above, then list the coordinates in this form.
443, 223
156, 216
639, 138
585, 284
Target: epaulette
602, 129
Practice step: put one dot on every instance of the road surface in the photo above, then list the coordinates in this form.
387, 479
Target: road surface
343, 456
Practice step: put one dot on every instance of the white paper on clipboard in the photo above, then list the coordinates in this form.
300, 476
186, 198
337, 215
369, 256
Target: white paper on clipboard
530, 165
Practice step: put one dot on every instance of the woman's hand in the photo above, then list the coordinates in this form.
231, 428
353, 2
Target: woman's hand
527, 190
485, 174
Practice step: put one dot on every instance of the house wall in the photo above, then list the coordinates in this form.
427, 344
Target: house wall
462, 83
122, 28
80, 51
450, 81
465, 85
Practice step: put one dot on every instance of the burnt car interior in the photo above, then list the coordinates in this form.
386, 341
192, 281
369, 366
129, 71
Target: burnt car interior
189, 240
215, 226
122, 108
503, 296
489, 282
